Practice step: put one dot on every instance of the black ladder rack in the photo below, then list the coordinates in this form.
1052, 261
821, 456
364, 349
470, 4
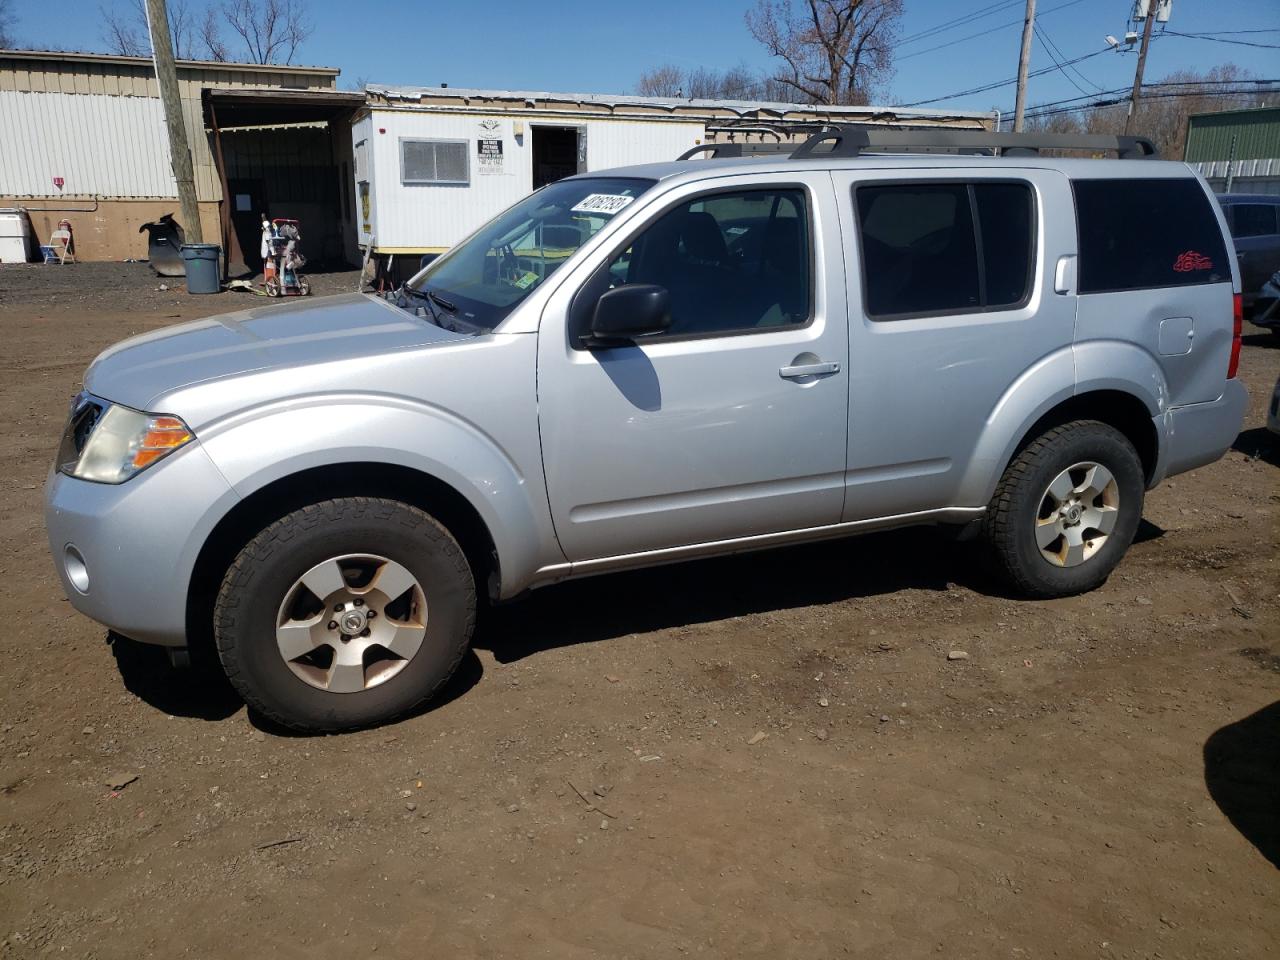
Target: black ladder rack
853, 140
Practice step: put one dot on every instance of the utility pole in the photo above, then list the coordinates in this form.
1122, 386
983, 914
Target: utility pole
1024, 61
1136, 96
179, 152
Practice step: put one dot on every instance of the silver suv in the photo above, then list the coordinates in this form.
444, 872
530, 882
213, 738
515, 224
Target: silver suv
649, 364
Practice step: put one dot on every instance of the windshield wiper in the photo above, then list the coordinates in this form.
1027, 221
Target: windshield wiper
442, 302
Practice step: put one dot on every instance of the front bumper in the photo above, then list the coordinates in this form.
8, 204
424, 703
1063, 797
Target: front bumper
137, 542
1200, 433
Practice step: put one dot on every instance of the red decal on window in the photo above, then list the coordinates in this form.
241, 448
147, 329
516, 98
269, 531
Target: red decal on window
1191, 260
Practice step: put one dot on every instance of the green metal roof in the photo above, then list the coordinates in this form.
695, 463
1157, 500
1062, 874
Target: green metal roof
1256, 133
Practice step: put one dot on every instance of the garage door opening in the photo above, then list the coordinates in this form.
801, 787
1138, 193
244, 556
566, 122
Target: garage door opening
555, 154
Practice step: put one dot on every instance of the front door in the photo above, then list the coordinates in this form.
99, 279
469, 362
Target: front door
555, 154
952, 292
248, 209
732, 424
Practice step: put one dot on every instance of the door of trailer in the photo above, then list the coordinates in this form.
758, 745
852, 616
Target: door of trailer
557, 152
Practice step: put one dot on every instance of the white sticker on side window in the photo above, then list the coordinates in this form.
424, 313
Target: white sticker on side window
609, 203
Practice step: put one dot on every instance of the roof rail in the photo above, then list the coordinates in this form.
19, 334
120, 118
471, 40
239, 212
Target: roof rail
725, 150
851, 140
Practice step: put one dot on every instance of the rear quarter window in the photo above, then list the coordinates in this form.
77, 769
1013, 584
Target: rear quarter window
1253, 219
1136, 234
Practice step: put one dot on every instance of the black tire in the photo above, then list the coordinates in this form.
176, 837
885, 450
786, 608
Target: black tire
1009, 526
269, 565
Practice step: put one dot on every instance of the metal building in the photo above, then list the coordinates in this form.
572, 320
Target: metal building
1237, 151
82, 137
433, 163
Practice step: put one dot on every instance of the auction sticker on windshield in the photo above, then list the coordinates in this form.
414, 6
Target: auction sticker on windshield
607, 203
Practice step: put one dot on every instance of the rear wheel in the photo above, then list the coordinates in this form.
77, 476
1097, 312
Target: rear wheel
344, 614
1066, 509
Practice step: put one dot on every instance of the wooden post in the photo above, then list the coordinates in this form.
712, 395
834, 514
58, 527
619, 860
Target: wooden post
179, 151
1136, 96
1024, 61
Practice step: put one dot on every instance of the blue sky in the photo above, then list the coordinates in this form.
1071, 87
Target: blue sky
580, 45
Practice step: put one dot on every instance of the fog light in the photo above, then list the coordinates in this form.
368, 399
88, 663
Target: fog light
77, 569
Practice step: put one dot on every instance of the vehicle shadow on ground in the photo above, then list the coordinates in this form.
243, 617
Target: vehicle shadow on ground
1259, 443
1242, 772
679, 595
203, 692
200, 692
1261, 340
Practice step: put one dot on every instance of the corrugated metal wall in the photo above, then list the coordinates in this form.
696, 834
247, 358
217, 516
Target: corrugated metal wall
426, 216
102, 146
106, 114
1256, 134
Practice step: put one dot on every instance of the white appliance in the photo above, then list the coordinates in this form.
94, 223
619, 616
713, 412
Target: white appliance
15, 235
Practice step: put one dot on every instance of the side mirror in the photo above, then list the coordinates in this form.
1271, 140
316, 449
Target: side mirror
626, 313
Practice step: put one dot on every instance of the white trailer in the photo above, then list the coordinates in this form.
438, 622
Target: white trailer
433, 163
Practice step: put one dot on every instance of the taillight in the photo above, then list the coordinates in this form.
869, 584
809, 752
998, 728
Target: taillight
1237, 327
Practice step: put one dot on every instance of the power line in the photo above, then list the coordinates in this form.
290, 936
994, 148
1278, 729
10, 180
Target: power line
976, 15
1223, 33
1120, 100
1213, 39
1005, 83
989, 30
1057, 56
1162, 84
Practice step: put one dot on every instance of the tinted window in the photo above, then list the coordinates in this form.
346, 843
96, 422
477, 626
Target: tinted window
921, 252
1253, 219
1004, 219
730, 261
1147, 233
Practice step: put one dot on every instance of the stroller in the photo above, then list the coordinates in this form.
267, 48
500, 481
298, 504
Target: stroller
282, 260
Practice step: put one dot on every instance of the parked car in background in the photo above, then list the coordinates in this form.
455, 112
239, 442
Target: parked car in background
1266, 307
647, 365
1254, 221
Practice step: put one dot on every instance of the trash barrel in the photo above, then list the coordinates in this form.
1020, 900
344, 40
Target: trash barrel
201, 260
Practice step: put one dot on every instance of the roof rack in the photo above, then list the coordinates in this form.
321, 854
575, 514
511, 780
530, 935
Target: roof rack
726, 150
852, 140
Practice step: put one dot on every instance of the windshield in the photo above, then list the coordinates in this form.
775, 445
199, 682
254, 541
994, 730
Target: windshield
484, 278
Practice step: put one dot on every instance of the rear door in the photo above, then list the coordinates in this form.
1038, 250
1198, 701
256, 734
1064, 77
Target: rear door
951, 292
1155, 271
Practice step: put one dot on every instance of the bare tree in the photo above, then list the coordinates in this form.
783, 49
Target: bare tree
663, 81
124, 28
1166, 105
831, 51
210, 30
271, 30
7, 20
706, 83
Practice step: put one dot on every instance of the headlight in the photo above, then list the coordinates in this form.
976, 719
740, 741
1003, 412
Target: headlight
107, 443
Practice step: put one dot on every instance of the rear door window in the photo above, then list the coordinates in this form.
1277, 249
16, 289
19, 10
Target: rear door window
942, 248
1253, 219
1136, 234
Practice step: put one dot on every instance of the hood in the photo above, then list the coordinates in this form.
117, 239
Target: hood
277, 336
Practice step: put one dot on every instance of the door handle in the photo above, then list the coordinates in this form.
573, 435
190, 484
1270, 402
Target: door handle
799, 371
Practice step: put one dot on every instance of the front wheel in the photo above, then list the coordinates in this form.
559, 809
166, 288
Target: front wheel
1066, 509
344, 614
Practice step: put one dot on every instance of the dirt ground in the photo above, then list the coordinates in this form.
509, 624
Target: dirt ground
767, 756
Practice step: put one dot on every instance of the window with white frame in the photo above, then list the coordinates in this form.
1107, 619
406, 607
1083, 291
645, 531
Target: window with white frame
434, 161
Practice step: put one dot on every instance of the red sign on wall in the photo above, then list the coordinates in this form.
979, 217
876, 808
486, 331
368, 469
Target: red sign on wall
58, 182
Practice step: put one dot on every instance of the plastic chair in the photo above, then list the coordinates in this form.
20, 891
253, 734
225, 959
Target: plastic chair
60, 240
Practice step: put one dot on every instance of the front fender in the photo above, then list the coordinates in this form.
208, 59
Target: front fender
255, 448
